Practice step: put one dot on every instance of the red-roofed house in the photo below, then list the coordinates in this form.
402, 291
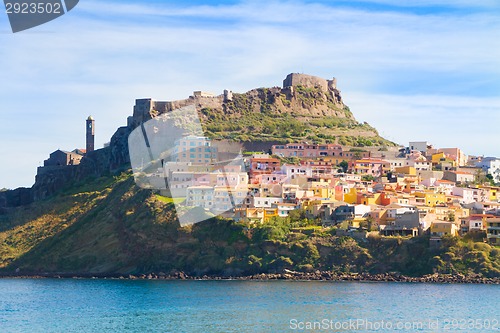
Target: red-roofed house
367, 166
458, 176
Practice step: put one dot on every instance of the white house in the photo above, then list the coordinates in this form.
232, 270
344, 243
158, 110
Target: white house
418, 161
467, 194
226, 198
491, 165
265, 202
291, 170
284, 208
393, 210
232, 179
361, 211
418, 145
200, 196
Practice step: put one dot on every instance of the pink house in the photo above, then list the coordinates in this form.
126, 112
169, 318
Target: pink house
307, 150
368, 167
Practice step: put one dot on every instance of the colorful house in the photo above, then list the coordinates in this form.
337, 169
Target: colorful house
255, 215
443, 228
264, 165
493, 230
430, 199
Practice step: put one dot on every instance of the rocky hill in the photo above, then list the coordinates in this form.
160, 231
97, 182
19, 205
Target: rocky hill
306, 108
92, 218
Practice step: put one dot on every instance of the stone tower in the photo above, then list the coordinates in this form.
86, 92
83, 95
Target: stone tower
90, 134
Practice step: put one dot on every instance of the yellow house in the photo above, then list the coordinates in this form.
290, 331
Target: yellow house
249, 214
368, 199
335, 160
323, 191
444, 213
437, 157
258, 215
493, 191
441, 161
403, 199
314, 206
351, 197
443, 228
379, 215
430, 199
406, 170
270, 213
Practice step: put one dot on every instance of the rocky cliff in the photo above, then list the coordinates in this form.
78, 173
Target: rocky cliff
305, 108
97, 163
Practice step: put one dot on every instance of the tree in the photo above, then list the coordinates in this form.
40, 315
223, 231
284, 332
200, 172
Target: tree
489, 178
297, 215
480, 177
371, 223
344, 166
363, 225
451, 216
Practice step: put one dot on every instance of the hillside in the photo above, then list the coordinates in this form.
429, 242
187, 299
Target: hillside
304, 111
92, 218
306, 108
109, 226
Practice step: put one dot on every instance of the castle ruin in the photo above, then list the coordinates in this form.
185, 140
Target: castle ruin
296, 79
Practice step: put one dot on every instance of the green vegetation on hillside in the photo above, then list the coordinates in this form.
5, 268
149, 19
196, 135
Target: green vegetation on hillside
111, 226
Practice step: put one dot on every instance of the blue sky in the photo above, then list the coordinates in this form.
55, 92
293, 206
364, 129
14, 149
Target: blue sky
416, 70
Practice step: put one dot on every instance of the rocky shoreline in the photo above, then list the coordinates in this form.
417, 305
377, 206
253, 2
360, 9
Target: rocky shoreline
285, 275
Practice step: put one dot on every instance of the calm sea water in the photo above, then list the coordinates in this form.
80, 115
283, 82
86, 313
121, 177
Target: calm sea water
50, 305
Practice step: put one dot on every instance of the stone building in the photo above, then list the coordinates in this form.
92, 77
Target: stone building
62, 158
90, 134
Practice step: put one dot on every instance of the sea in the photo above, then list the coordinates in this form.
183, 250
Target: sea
107, 305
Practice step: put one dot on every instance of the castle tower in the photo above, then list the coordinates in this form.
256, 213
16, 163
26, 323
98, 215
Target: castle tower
90, 134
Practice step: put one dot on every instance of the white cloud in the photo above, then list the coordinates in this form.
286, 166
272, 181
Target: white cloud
446, 121
428, 3
102, 55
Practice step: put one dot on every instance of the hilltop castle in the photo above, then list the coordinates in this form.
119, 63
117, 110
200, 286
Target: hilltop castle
63, 168
296, 79
147, 108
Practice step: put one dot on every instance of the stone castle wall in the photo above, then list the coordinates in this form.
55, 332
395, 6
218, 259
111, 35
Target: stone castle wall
15, 198
147, 108
296, 79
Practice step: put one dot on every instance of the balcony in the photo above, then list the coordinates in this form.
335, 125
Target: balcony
489, 227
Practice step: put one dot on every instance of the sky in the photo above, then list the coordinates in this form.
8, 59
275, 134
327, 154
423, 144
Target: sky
425, 70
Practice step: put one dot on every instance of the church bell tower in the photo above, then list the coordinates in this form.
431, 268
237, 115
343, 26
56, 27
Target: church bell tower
90, 134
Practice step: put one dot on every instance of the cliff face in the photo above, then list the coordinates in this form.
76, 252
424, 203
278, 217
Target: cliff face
306, 108
97, 163
301, 95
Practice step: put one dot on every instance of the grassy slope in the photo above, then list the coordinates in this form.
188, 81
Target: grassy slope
111, 226
83, 229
